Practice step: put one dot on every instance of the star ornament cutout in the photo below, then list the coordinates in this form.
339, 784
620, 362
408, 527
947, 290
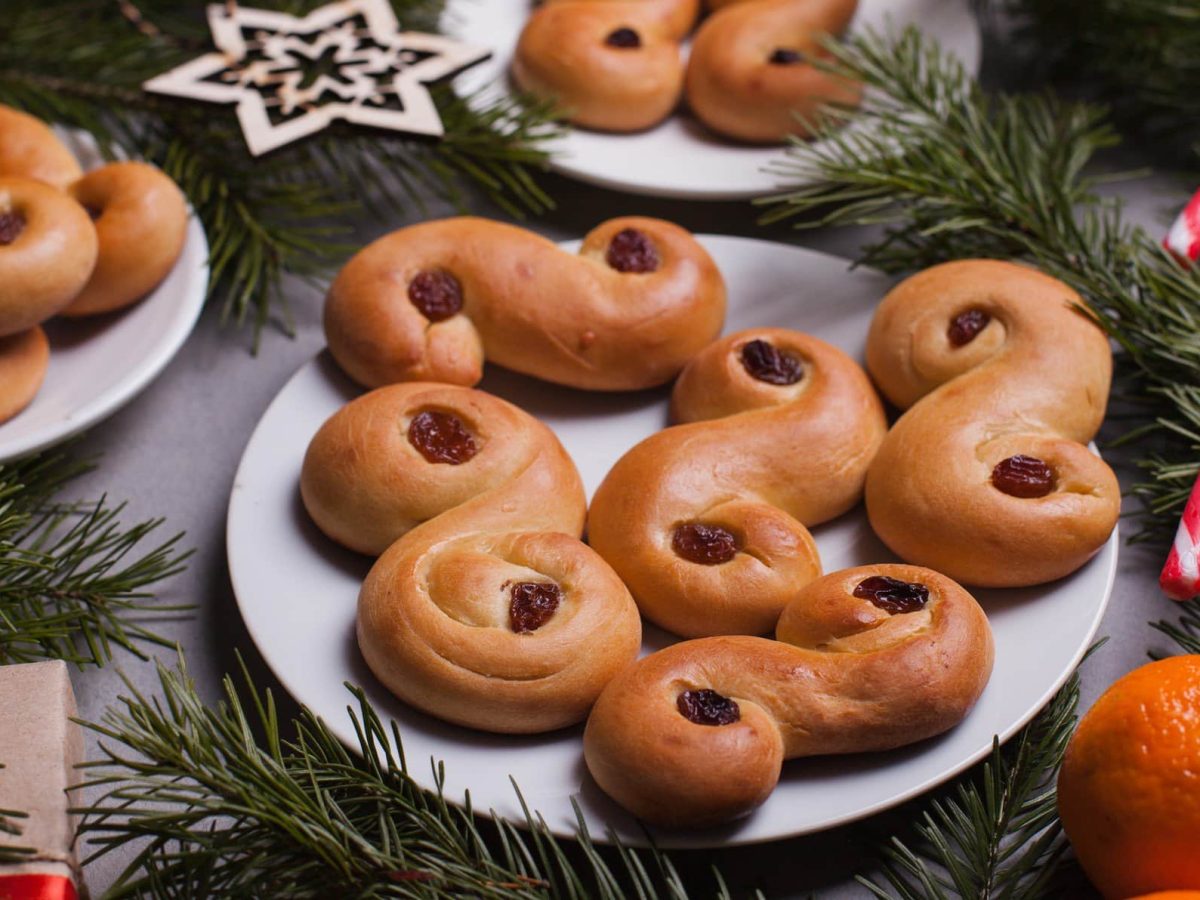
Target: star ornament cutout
293, 76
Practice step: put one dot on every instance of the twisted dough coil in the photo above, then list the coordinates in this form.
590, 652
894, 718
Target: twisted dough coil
616, 65
755, 462
696, 734
29, 149
48, 251
430, 301
487, 610
1005, 379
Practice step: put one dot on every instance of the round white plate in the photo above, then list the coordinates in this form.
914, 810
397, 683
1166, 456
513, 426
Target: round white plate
297, 590
100, 363
680, 158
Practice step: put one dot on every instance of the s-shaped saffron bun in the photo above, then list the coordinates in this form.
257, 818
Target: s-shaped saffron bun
1005, 378
485, 608
24, 358
29, 149
612, 65
865, 659
141, 220
706, 521
430, 302
47, 252
751, 75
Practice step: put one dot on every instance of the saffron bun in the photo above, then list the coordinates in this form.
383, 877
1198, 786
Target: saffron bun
29, 149
24, 358
696, 734
141, 221
48, 250
707, 521
1004, 378
432, 301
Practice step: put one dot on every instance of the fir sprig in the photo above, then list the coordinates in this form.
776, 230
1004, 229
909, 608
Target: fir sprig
73, 578
81, 63
219, 803
996, 835
953, 172
1185, 632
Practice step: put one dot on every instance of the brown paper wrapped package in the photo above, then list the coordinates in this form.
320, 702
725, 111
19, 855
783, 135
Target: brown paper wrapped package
39, 749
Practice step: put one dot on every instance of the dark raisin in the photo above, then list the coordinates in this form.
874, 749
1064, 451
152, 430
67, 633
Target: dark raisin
1023, 476
785, 56
707, 708
708, 545
441, 438
892, 595
11, 226
532, 605
624, 39
632, 251
768, 363
93, 212
966, 325
437, 294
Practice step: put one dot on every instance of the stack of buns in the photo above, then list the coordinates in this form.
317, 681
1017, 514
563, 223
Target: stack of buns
72, 244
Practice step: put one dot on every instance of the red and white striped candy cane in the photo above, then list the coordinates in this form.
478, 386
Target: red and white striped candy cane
1180, 578
1184, 237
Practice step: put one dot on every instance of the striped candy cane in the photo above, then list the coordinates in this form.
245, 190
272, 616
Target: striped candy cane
1180, 578
1184, 237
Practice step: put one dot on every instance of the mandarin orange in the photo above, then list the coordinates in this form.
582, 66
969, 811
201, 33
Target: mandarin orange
1129, 789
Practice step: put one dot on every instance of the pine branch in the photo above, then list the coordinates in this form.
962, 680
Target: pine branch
954, 173
80, 63
997, 835
218, 803
1186, 632
73, 579
1141, 56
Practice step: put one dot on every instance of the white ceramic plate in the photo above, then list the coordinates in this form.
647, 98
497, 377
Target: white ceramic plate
680, 158
297, 590
98, 364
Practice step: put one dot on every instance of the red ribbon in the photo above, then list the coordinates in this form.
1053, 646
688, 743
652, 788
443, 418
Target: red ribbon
37, 887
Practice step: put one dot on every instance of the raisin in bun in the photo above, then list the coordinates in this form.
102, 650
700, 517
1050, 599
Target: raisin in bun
24, 358
430, 302
48, 250
612, 65
751, 73
865, 659
706, 521
141, 221
1005, 378
485, 609
29, 149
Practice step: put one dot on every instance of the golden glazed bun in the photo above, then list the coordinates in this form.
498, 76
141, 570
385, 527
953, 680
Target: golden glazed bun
705, 521
987, 477
751, 76
487, 610
47, 252
431, 301
29, 149
141, 220
866, 659
24, 358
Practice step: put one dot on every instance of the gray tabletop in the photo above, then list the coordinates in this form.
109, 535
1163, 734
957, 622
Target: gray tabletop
173, 451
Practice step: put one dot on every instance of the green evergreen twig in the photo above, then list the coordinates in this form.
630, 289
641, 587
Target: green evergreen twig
73, 579
218, 803
1186, 632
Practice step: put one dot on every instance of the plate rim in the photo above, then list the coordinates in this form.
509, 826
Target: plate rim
665, 838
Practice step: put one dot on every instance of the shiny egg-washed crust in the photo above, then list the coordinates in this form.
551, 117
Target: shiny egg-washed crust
24, 359
433, 614
141, 222
842, 676
527, 305
757, 459
49, 260
29, 149
1034, 382
729, 80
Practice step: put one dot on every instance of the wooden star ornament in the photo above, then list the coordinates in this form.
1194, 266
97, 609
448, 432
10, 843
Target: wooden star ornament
292, 76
